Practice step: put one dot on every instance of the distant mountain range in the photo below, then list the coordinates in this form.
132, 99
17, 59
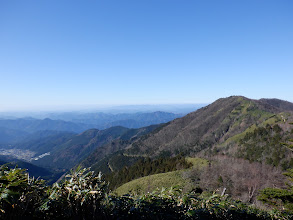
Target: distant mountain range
66, 154
77, 112
14, 131
234, 126
102, 120
58, 144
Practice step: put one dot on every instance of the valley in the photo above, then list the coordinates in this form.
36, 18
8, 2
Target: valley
235, 146
146, 109
20, 154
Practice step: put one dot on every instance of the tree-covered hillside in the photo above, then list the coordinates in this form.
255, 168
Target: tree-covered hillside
72, 151
219, 128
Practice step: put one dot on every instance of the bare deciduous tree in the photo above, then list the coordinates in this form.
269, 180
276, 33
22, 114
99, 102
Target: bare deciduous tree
241, 178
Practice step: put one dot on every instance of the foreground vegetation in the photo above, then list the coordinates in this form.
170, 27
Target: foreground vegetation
83, 195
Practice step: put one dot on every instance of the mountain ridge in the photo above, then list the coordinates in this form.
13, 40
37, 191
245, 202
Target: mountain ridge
206, 127
77, 147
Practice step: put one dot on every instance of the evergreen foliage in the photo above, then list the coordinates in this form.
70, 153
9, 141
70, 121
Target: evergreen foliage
281, 198
145, 167
83, 195
20, 195
265, 144
79, 196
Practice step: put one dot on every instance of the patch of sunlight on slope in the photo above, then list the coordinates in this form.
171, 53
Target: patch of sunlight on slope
273, 119
152, 182
239, 136
157, 181
197, 162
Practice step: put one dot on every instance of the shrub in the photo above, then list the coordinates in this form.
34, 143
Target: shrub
79, 196
20, 195
82, 195
280, 198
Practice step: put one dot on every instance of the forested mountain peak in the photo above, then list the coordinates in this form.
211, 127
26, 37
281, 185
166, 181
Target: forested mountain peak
208, 126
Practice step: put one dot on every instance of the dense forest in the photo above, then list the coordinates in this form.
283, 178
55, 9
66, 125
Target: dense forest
267, 144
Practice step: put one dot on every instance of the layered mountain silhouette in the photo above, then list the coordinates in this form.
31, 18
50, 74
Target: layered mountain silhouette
18, 131
66, 154
225, 126
31, 125
101, 120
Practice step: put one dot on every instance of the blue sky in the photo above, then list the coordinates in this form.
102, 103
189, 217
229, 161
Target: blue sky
93, 52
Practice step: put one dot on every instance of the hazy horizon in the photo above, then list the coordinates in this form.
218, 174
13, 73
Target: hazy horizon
106, 107
180, 109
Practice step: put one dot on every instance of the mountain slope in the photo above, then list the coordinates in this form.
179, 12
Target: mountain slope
114, 147
10, 136
205, 127
201, 131
43, 141
280, 104
33, 170
71, 152
24, 129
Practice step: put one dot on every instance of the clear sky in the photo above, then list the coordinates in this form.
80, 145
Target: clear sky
99, 52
